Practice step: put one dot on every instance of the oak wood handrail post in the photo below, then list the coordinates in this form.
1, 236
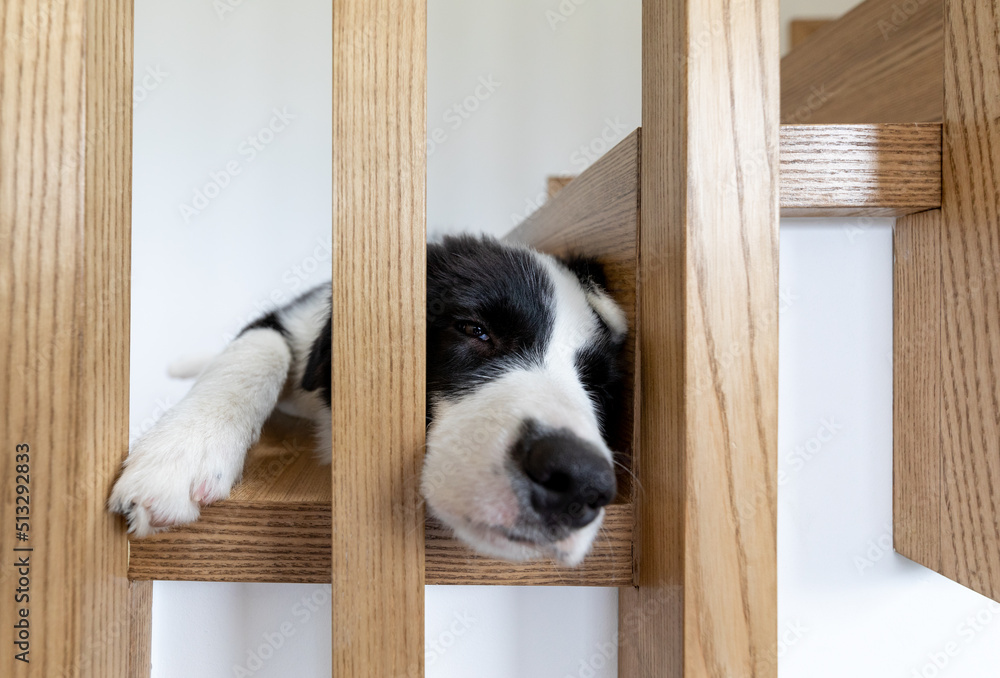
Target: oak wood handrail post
706, 600
379, 271
65, 216
946, 483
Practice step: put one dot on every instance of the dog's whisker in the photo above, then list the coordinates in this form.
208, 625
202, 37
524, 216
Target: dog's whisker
635, 479
603, 535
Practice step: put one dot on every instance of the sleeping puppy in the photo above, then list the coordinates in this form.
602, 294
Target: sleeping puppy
523, 354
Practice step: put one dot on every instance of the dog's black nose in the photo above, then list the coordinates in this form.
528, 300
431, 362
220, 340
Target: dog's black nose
570, 479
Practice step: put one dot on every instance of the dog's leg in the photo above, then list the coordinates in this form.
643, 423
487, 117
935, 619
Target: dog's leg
195, 452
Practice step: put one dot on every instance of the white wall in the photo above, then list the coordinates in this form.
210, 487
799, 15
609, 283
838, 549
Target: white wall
569, 89
204, 85
847, 605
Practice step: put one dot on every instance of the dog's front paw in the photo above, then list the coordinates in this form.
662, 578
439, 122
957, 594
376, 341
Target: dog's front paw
173, 471
150, 503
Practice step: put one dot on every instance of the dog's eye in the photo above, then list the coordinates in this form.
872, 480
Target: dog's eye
471, 329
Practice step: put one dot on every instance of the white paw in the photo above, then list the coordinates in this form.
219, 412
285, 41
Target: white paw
188, 460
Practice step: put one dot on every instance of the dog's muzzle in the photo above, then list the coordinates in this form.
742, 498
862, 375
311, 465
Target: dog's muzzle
569, 479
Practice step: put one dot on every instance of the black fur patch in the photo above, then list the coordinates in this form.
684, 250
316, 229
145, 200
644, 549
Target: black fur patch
499, 288
506, 292
588, 271
317, 375
600, 363
267, 322
600, 368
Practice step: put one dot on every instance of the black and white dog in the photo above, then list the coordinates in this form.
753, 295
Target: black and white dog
523, 354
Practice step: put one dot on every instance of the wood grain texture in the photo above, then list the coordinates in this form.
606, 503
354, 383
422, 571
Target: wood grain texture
947, 299
254, 542
276, 528
245, 542
281, 469
970, 387
850, 170
140, 661
378, 339
880, 62
608, 564
916, 361
597, 215
853, 170
65, 206
706, 604
557, 183
800, 29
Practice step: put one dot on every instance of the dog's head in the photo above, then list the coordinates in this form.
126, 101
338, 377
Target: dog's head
523, 354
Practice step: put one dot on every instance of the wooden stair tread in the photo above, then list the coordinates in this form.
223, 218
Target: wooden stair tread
282, 468
276, 524
275, 527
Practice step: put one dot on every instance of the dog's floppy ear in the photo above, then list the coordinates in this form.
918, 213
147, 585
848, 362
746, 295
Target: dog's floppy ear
317, 373
591, 275
587, 269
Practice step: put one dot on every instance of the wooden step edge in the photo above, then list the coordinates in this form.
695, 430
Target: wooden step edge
874, 170
271, 542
